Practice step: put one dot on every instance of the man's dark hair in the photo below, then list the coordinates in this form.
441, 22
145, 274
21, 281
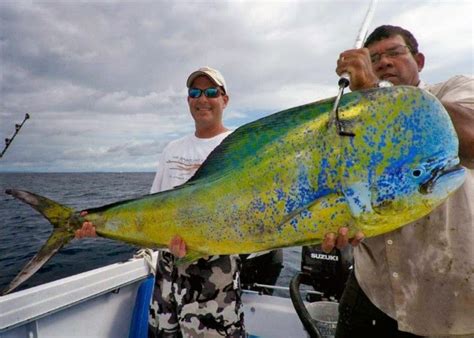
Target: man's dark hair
387, 31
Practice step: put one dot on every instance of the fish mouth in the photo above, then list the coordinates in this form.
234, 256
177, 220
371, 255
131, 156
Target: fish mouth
443, 172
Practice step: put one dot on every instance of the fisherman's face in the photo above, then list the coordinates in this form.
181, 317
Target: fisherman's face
207, 112
395, 62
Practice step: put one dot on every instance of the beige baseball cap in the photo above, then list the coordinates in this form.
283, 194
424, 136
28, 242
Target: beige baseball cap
213, 74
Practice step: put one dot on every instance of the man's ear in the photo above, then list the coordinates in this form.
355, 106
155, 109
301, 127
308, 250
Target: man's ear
226, 100
420, 61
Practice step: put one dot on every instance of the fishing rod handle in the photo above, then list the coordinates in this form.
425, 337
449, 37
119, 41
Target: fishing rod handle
344, 80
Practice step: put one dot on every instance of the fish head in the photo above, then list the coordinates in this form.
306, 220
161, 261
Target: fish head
423, 169
416, 188
403, 160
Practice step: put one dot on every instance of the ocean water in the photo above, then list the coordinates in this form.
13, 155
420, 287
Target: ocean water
23, 231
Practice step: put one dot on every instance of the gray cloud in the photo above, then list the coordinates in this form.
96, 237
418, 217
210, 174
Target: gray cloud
105, 81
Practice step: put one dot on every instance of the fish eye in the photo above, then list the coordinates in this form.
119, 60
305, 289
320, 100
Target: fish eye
417, 172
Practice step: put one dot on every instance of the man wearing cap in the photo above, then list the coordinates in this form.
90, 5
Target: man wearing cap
201, 298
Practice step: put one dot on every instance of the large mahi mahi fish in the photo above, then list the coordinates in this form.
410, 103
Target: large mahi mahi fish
288, 179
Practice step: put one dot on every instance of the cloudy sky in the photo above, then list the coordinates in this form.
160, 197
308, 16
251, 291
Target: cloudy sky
104, 81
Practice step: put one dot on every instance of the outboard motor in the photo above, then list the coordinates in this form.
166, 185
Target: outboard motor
325, 272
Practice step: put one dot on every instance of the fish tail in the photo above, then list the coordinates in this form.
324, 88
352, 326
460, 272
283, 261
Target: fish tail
64, 220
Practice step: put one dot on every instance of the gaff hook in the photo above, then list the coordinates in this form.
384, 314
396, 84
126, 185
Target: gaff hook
344, 80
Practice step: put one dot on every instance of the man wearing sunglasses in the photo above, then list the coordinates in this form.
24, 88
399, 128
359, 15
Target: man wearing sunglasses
418, 280
202, 298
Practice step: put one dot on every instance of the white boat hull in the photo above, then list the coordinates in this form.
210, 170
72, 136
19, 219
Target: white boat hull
99, 303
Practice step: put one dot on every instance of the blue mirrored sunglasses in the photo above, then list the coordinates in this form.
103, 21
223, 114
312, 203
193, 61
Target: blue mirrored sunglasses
210, 92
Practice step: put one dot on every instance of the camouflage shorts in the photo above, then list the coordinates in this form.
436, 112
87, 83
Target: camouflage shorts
202, 299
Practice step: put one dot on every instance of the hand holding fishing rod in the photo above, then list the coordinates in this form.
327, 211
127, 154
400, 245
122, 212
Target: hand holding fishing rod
344, 80
8, 141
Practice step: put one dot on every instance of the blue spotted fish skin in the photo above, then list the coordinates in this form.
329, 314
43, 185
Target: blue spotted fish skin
288, 179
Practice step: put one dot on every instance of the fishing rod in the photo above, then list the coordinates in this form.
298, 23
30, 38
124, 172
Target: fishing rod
345, 79
9, 141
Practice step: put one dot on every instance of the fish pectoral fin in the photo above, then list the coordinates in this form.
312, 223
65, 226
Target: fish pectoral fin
358, 197
191, 256
56, 241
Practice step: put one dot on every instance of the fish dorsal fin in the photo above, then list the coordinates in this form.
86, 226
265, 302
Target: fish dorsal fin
246, 141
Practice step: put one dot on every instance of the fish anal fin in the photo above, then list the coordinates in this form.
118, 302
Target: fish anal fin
55, 242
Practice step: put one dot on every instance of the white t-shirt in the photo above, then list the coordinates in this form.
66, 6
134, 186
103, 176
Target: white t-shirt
181, 158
